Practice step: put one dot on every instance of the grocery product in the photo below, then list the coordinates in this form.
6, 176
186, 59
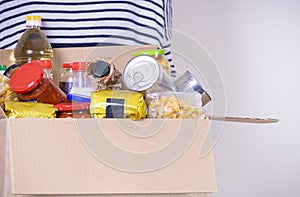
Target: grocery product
47, 67
29, 110
66, 79
2, 69
174, 105
117, 104
33, 44
105, 74
6, 93
30, 85
11, 69
82, 84
73, 110
143, 72
187, 83
159, 55
78, 98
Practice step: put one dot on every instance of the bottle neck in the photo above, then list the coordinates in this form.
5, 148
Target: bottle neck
67, 69
33, 27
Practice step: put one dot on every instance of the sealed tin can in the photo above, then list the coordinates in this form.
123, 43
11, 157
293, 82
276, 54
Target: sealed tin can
143, 71
187, 83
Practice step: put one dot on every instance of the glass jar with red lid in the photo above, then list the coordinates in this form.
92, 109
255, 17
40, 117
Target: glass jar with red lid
73, 110
29, 83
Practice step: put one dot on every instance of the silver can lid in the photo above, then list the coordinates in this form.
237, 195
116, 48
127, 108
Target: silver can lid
141, 73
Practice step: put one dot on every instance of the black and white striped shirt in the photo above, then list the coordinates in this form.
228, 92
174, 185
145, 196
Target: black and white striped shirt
80, 23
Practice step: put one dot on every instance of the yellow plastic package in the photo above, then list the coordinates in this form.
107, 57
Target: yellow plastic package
29, 110
117, 104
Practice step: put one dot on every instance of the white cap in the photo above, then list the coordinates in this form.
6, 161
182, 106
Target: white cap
33, 21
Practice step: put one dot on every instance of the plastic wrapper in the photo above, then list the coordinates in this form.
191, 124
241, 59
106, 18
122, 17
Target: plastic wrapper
6, 93
29, 110
117, 104
174, 105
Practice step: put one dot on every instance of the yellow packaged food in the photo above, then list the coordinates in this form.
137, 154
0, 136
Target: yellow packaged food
6, 93
117, 104
29, 110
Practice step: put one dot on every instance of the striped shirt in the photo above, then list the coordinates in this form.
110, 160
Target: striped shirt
80, 23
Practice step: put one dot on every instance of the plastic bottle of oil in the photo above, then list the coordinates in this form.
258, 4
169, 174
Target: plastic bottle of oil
33, 44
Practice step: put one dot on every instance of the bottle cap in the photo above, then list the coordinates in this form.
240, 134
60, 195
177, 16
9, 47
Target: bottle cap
26, 77
44, 63
3, 67
80, 66
33, 20
100, 68
67, 65
150, 52
72, 106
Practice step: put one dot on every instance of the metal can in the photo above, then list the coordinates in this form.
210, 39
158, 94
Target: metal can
187, 83
143, 71
159, 55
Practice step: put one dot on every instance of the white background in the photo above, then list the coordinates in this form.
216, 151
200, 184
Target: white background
256, 45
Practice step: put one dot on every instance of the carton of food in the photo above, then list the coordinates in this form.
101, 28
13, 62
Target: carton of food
84, 157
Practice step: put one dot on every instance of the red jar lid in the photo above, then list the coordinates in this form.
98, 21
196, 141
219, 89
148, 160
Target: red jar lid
44, 63
72, 106
81, 66
26, 77
67, 65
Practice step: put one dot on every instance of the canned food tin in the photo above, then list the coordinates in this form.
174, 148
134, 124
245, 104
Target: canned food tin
143, 71
187, 83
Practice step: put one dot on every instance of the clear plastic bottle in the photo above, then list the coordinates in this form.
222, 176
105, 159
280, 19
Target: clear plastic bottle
82, 84
66, 78
33, 44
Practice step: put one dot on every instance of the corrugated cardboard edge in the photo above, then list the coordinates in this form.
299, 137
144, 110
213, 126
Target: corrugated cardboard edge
5, 181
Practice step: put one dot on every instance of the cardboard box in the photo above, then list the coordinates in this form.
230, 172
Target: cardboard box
53, 156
